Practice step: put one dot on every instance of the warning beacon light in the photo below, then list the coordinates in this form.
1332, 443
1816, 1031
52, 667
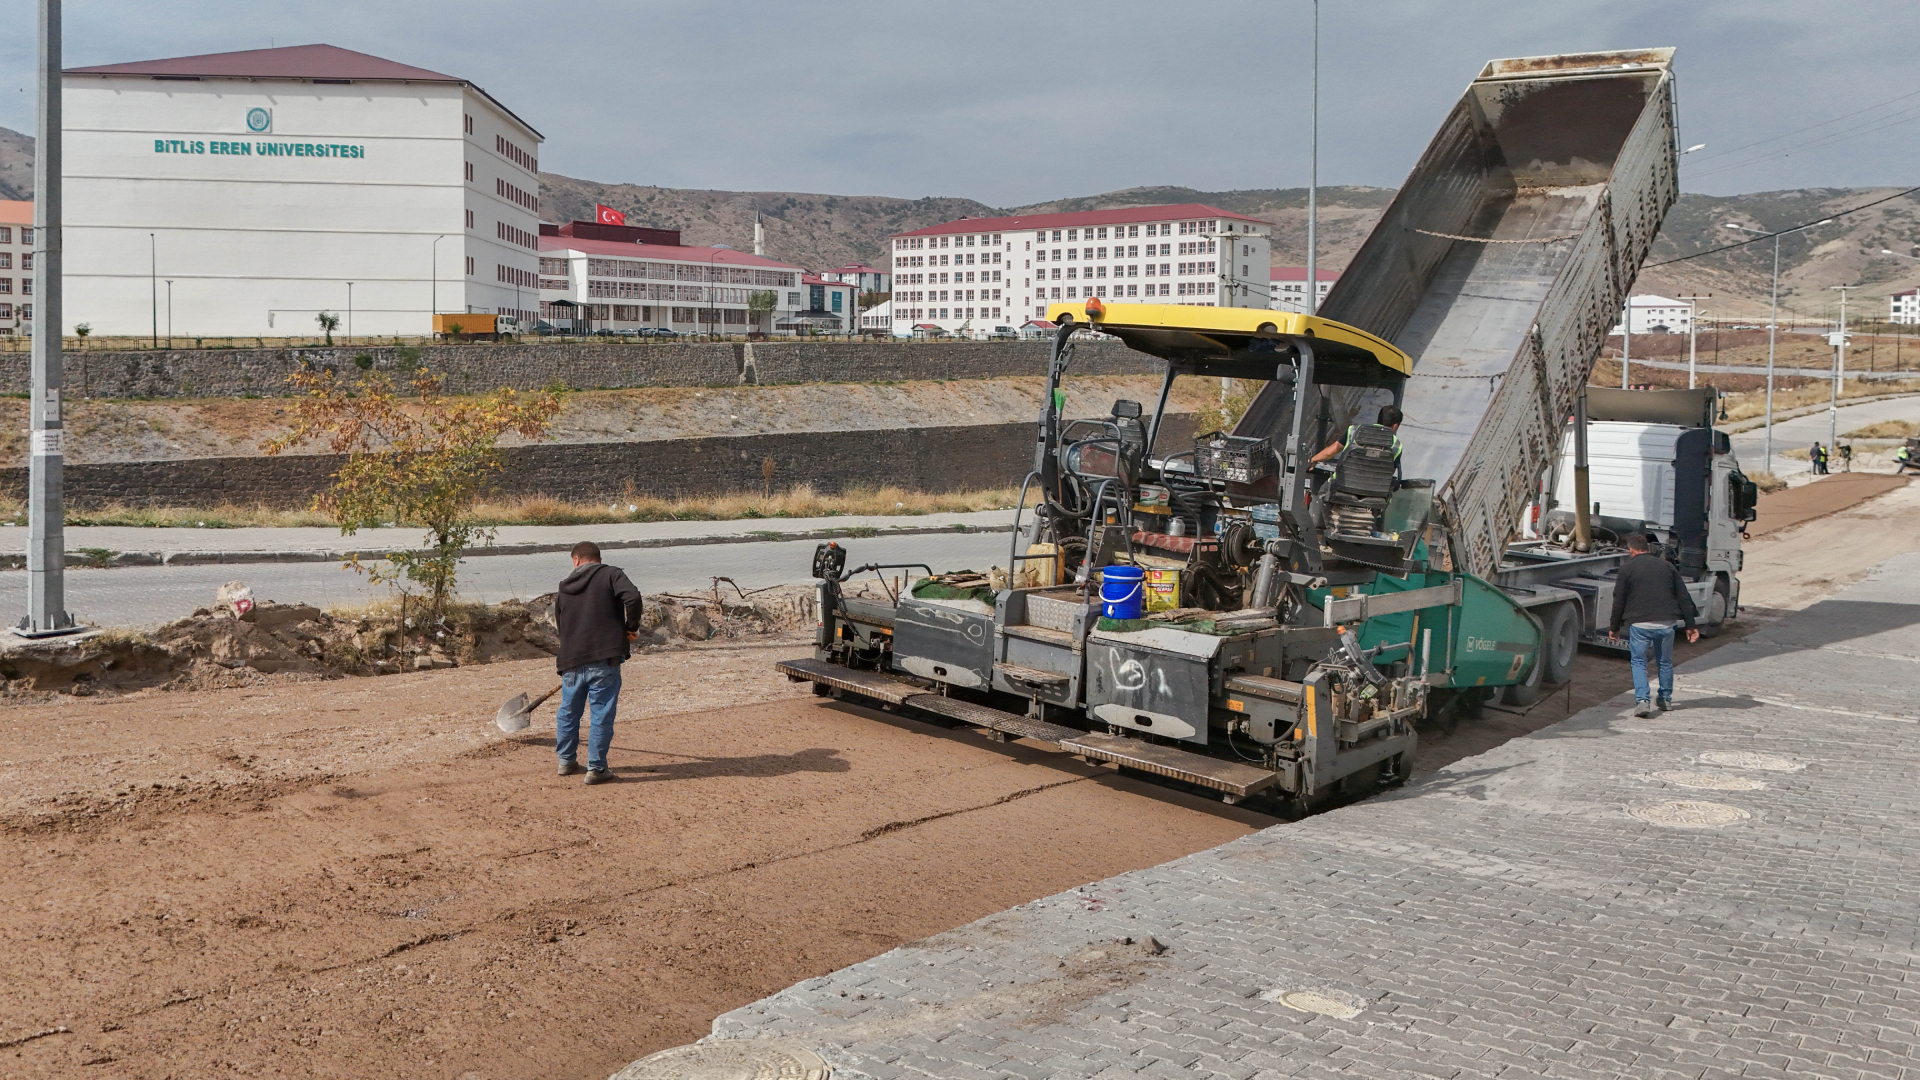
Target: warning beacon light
1095, 308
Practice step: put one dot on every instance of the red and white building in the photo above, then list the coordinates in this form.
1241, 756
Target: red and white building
976, 276
624, 277
16, 267
864, 278
1288, 288
1904, 307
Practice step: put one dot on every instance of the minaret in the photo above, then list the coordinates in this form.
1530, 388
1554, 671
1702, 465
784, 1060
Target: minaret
759, 235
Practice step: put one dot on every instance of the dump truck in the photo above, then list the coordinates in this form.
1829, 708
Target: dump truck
474, 325
1308, 614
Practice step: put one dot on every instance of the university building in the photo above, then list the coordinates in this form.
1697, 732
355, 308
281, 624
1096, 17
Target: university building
265, 187
16, 267
976, 274
1288, 288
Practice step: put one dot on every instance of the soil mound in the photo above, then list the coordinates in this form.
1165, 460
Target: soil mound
249, 642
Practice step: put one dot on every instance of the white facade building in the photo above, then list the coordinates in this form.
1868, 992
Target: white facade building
1904, 307
1288, 287
973, 275
274, 184
625, 285
1652, 314
862, 277
16, 268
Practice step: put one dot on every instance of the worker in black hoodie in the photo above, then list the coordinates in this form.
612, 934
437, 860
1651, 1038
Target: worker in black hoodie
1650, 598
598, 612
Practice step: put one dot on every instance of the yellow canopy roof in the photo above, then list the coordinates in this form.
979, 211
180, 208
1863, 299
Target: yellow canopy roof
1168, 330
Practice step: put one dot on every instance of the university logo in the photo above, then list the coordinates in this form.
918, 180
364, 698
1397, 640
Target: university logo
259, 121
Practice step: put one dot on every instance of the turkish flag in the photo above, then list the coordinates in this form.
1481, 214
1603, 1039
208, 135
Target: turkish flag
607, 215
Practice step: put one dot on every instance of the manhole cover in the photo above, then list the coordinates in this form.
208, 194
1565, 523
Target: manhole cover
1690, 814
1750, 759
730, 1059
1709, 781
1325, 1002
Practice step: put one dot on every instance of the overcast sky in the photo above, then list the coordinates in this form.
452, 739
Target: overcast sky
1017, 102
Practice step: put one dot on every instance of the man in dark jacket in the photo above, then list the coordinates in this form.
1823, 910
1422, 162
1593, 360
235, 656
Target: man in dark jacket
1649, 597
598, 612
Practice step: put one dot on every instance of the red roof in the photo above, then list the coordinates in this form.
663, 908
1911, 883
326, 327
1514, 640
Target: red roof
1124, 216
1299, 273
855, 270
815, 279
720, 256
292, 62
16, 212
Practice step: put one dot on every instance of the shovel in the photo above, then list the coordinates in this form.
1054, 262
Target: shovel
516, 714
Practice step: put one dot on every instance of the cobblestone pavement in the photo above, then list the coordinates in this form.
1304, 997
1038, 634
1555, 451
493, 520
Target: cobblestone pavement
1722, 891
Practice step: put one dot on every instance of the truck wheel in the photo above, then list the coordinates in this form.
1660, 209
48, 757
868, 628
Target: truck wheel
1716, 610
1559, 644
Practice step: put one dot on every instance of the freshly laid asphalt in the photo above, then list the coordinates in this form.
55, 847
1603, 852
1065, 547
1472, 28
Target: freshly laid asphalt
1722, 891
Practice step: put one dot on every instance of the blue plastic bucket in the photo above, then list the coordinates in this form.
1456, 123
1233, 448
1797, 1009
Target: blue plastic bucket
1121, 589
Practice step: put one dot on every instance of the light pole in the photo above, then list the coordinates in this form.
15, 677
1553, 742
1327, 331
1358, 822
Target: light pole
153, 284
436, 283
46, 512
349, 312
1839, 372
1693, 332
1313, 175
1626, 339
169, 313
1773, 321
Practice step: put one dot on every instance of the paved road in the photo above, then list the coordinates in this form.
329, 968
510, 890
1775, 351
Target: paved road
1802, 432
1722, 891
143, 595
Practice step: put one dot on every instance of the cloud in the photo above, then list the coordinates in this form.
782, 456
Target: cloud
1015, 102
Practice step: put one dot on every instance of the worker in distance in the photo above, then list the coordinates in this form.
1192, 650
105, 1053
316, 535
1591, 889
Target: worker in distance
597, 610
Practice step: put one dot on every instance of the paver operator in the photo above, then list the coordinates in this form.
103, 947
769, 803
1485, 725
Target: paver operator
1649, 597
1388, 418
598, 612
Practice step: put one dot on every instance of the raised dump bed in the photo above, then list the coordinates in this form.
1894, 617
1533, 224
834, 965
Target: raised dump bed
1499, 268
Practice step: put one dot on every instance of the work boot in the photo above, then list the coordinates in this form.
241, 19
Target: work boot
601, 776
1643, 709
568, 768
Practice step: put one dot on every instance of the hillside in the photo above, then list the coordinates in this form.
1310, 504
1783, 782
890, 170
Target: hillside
821, 231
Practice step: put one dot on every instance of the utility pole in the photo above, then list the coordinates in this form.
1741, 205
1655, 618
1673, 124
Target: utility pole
1693, 334
1626, 339
153, 284
1839, 371
1313, 177
169, 313
47, 613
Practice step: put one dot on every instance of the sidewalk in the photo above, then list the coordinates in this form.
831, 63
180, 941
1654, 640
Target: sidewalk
1722, 891
190, 547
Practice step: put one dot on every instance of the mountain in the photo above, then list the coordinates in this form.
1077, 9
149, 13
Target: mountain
821, 232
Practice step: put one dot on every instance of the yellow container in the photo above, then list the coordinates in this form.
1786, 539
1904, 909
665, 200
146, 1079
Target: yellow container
1163, 589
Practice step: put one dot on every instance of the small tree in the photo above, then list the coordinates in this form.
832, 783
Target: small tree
417, 461
759, 303
329, 322
81, 331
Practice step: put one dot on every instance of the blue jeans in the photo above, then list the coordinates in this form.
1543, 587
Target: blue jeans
1641, 641
596, 684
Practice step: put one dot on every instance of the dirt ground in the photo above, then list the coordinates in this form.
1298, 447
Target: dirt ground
364, 878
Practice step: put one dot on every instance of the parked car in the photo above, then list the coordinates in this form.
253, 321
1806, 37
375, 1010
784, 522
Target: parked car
608, 331
1003, 333
656, 331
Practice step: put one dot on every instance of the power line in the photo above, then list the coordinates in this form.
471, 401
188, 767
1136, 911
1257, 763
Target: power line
1866, 128
1782, 232
1809, 127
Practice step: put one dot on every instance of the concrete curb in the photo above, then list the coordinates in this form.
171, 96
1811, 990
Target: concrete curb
310, 555
1754, 423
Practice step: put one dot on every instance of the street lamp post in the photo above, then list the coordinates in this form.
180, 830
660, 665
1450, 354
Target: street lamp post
349, 312
169, 313
1839, 372
153, 284
1693, 334
1773, 321
1313, 175
46, 511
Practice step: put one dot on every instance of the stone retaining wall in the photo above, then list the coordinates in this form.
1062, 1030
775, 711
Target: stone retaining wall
955, 458
576, 366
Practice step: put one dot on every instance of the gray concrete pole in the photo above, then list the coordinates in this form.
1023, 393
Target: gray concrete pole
1312, 306
46, 532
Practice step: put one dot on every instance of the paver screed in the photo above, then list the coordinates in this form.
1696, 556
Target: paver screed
1726, 890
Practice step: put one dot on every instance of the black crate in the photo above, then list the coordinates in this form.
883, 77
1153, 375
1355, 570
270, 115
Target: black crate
1220, 456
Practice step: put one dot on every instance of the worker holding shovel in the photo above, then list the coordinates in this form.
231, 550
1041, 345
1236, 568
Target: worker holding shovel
598, 612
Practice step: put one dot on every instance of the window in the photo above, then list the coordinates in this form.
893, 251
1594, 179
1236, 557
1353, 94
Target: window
469, 172
469, 219
1132, 290
1056, 292
6, 234
26, 260
1102, 236
1056, 236
969, 241
1072, 235
1133, 230
1073, 253
26, 286
511, 193
6, 286
469, 124
1070, 293
26, 310
793, 299
1056, 273
6, 260
26, 237
1071, 272
469, 266
506, 149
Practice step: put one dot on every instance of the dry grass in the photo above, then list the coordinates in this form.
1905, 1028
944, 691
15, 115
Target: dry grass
1751, 403
1887, 429
800, 501
1767, 482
